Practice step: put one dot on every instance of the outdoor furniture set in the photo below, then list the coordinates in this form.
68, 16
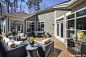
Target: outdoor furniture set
11, 47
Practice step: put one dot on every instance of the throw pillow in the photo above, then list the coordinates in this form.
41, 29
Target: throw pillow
11, 44
45, 41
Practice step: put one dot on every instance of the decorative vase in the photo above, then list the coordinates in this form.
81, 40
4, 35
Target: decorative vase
7, 36
32, 44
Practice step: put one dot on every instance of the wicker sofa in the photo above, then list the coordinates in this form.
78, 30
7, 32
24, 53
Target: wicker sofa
18, 51
44, 50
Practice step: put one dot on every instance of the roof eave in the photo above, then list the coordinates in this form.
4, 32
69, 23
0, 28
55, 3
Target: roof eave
74, 3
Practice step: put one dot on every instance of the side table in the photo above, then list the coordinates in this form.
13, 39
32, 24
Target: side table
31, 51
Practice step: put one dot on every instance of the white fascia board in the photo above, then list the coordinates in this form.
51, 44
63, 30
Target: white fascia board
71, 2
68, 13
61, 5
59, 17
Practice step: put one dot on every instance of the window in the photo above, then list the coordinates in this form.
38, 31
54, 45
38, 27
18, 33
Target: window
40, 26
70, 24
70, 16
81, 13
30, 26
13, 27
81, 23
70, 33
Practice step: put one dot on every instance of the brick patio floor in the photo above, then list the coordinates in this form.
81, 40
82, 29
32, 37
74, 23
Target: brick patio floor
59, 48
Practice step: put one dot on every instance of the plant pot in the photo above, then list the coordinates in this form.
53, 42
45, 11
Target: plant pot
7, 36
48, 36
32, 44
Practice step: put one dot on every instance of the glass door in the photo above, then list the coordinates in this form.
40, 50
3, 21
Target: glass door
57, 29
20, 28
61, 30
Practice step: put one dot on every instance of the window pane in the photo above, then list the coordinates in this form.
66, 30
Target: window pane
42, 25
70, 24
33, 23
30, 26
81, 13
62, 30
38, 22
38, 26
38, 29
58, 29
70, 33
81, 23
70, 16
32, 29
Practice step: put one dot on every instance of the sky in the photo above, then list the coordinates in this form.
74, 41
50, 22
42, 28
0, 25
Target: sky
50, 3
46, 4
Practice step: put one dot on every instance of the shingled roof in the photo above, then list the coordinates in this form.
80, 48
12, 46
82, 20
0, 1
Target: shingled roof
18, 14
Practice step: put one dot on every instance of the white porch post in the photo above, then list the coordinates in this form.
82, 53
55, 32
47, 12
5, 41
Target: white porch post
9, 25
23, 26
35, 22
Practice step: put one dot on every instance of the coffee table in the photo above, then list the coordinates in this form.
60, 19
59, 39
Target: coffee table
31, 51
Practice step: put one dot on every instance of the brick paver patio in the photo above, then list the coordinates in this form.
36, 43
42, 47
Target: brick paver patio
59, 48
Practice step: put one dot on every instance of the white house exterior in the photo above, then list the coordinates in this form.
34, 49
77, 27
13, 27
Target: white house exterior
71, 25
56, 20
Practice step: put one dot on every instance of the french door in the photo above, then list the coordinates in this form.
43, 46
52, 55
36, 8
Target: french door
60, 31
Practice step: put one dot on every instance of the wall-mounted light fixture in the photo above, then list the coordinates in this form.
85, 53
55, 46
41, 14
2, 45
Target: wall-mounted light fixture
52, 24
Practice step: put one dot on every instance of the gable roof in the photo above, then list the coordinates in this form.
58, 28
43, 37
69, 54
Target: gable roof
18, 14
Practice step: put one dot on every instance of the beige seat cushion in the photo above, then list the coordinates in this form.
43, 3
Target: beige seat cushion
11, 44
23, 37
45, 41
6, 40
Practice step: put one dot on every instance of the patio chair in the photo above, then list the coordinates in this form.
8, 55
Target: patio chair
44, 50
21, 36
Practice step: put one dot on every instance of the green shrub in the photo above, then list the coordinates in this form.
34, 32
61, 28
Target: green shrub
8, 34
1, 37
12, 35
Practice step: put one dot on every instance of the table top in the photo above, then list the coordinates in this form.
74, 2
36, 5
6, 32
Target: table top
28, 47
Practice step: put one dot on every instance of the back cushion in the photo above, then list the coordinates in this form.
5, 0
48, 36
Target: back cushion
45, 41
21, 34
11, 44
6, 40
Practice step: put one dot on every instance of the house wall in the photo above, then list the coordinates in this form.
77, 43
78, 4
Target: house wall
59, 14
48, 19
31, 18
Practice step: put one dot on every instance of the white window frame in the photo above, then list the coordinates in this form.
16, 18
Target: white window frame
40, 26
26, 25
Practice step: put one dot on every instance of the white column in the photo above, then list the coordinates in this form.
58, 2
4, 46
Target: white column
9, 25
35, 23
55, 24
23, 26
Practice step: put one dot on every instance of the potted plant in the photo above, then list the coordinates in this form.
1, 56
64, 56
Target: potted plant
8, 34
31, 41
1, 37
48, 35
12, 35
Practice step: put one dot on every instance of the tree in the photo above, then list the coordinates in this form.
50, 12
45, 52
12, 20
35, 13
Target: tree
34, 4
0, 9
15, 4
44, 5
21, 4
